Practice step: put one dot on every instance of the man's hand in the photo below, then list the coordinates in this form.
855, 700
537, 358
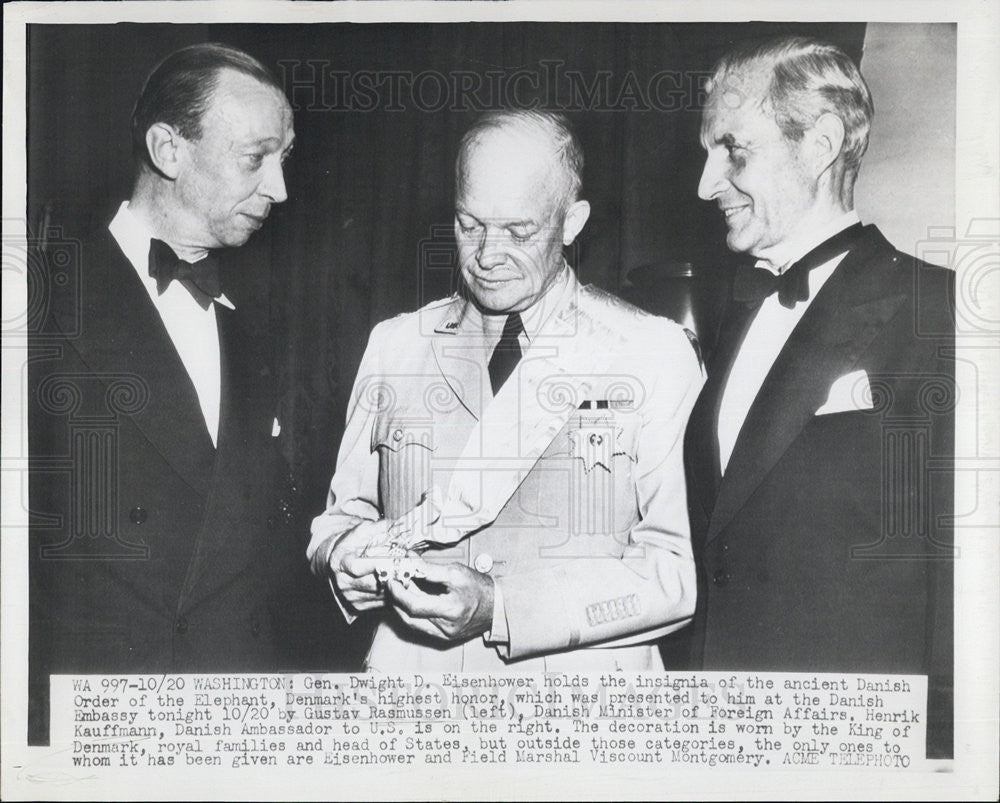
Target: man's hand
457, 605
354, 574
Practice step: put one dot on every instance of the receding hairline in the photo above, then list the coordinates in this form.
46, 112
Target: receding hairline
540, 133
801, 78
235, 82
227, 69
171, 82
752, 88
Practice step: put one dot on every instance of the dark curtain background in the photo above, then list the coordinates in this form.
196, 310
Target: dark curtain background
366, 231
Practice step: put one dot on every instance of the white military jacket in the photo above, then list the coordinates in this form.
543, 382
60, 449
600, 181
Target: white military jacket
570, 482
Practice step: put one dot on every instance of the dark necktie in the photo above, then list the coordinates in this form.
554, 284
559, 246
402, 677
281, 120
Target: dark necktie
507, 352
752, 285
200, 279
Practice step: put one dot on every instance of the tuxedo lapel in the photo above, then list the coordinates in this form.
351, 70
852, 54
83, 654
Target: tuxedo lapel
121, 336
245, 414
843, 320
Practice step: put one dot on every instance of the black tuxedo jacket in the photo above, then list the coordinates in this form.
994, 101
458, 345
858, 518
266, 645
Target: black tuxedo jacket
149, 548
827, 546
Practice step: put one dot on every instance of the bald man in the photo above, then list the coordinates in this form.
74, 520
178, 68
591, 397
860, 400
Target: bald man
509, 492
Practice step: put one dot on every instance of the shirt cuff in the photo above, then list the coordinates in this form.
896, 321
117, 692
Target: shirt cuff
345, 608
498, 632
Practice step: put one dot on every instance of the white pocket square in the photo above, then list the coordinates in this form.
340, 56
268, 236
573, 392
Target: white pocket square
275, 429
849, 392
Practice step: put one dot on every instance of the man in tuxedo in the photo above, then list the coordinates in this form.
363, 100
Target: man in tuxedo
819, 450
510, 485
151, 402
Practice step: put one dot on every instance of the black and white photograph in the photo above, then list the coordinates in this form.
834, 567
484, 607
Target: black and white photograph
598, 403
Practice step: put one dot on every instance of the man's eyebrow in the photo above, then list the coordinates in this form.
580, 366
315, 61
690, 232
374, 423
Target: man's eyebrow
265, 141
505, 222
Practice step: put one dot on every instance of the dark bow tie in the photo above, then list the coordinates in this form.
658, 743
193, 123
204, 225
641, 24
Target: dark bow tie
752, 284
200, 279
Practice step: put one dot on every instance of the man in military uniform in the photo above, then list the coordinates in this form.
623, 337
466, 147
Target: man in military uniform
523, 437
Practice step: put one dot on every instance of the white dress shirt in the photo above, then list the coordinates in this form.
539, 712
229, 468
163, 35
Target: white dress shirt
768, 333
193, 330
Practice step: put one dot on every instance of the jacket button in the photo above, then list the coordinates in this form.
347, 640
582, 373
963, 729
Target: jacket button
483, 563
138, 515
721, 577
270, 522
181, 625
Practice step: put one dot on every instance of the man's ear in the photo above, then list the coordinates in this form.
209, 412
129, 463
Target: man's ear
827, 138
575, 220
163, 144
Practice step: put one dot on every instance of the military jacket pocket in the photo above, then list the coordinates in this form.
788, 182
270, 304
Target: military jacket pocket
404, 451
